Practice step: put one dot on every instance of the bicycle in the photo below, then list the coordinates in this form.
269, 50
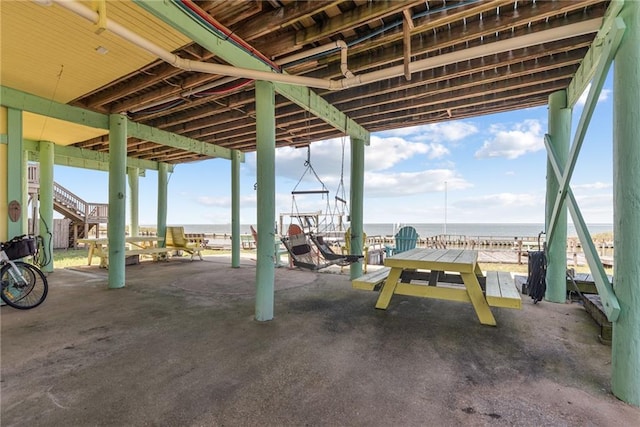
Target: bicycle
24, 285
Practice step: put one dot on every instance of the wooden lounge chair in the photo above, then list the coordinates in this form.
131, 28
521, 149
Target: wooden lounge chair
176, 239
405, 239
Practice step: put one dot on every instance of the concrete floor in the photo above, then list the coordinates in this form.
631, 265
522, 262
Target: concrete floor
179, 347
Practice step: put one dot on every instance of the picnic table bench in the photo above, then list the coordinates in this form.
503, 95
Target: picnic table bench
449, 274
136, 246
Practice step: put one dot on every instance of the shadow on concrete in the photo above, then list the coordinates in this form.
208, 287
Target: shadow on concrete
179, 346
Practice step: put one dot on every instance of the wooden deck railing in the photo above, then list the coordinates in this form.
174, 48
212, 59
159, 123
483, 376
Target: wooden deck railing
92, 212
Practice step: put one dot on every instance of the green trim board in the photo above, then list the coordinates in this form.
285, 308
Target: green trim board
169, 139
605, 290
588, 66
45, 107
304, 97
14, 169
314, 103
81, 157
612, 42
34, 104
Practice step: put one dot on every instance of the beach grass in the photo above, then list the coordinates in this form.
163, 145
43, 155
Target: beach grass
64, 258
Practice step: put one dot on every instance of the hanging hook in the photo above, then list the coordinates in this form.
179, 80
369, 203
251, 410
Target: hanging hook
308, 161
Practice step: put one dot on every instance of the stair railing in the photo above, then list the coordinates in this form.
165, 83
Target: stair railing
98, 212
70, 200
91, 212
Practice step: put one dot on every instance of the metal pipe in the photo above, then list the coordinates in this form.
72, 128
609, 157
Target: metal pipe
339, 44
311, 52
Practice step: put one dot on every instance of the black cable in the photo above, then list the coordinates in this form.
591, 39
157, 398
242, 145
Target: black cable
536, 281
43, 256
570, 276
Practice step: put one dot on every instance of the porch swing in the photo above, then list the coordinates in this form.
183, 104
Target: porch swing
304, 241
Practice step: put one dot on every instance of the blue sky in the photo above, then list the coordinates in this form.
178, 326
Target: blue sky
494, 167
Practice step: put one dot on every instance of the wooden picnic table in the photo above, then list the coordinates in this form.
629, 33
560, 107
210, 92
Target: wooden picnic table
448, 274
136, 245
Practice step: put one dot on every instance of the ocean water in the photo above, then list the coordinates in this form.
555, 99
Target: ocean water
424, 230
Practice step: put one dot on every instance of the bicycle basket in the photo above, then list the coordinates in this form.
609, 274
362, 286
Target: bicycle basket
16, 249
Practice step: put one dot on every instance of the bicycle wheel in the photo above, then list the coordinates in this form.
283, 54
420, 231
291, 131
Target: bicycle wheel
24, 287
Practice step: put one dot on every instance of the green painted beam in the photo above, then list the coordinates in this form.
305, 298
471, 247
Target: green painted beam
357, 204
34, 104
117, 199
605, 290
148, 133
73, 162
89, 159
625, 346
4, 138
588, 66
266, 199
611, 43
314, 103
46, 107
16, 183
173, 15
559, 125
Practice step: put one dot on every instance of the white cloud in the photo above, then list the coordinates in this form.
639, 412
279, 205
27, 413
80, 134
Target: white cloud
604, 95
225, 202
412, 183
525, 137
498, 207
384, 153
437, 132
503, 200
326, 159
593, 186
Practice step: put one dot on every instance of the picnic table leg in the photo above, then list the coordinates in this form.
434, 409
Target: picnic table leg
388, 288
477, 299
90, 254
478, 270
102, 252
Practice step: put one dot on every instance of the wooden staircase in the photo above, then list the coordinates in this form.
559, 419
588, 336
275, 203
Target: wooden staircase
84, 216
80, 212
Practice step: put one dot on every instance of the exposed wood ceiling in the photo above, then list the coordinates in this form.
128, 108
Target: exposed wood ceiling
379, 35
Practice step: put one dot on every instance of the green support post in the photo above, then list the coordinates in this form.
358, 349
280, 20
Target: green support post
117, 198
163, 188
133, 175
15, 177
235, 209
556, 248
357, 203
47, 155
266, 168
25, 193
625, 359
